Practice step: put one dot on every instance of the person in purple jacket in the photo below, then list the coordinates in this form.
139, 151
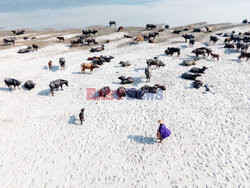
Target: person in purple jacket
163, 132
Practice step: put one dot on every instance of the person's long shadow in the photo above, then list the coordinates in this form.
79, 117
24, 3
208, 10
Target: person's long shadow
142, 139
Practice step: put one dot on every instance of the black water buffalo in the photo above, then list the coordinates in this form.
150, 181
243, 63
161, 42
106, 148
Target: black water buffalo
166, 26
127, 80
81, 115
189, 76
191, 42
153, 35
34, 46
177, 31
9, 40
229, 46
156, 62
198, 52
90, 40
148, 73
125, 63
150, 26
18, 32
12, 82
104, 91
98, 49
172, 50
197, 30
62, 62
56, 84
213, 39
24, 50
121, 92
208, 51
137, 94
188, 36
197, 84
29, 85
198, 70
112, 23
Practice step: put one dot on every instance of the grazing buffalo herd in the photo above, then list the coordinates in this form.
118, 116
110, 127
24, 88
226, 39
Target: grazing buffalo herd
238, 42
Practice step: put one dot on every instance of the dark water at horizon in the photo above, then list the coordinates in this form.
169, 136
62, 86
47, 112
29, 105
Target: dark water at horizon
62, 14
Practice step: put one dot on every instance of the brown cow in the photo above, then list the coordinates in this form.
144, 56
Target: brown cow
121, 28
217, 56
60, 38
90, 66
50, 65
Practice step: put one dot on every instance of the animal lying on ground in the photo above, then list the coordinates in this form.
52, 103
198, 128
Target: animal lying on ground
229, 46
133, 93
56, 84
12, 82
156, 62
98, 49
125, 63
127, 80
121, 92
90, 66
127, 36
197, 84
177, 31
172, 50
150, 89
16, 32
189, 62
189, 76
81, 115
198, 70
196, 30
24, 50
29, 85
91, 40
62, 62
104, 91
150, 26
60, 38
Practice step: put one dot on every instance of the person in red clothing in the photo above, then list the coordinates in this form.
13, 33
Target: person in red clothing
162, 132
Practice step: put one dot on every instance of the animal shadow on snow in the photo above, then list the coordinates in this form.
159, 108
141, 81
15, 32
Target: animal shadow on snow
53, 69
230, 51
73, 121
205, 44
184, 46
236, 60
142, 139
6, 89
44, 92
177, 42
133, 43
76, 72
139, 69
137, 81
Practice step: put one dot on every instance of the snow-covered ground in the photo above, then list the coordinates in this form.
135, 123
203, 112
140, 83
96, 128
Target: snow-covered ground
43, 145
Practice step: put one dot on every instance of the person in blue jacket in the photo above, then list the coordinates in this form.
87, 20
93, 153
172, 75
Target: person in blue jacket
162, 132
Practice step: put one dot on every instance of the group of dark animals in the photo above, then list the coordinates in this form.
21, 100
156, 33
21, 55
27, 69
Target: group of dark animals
62, 63
122, 91
16, 83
